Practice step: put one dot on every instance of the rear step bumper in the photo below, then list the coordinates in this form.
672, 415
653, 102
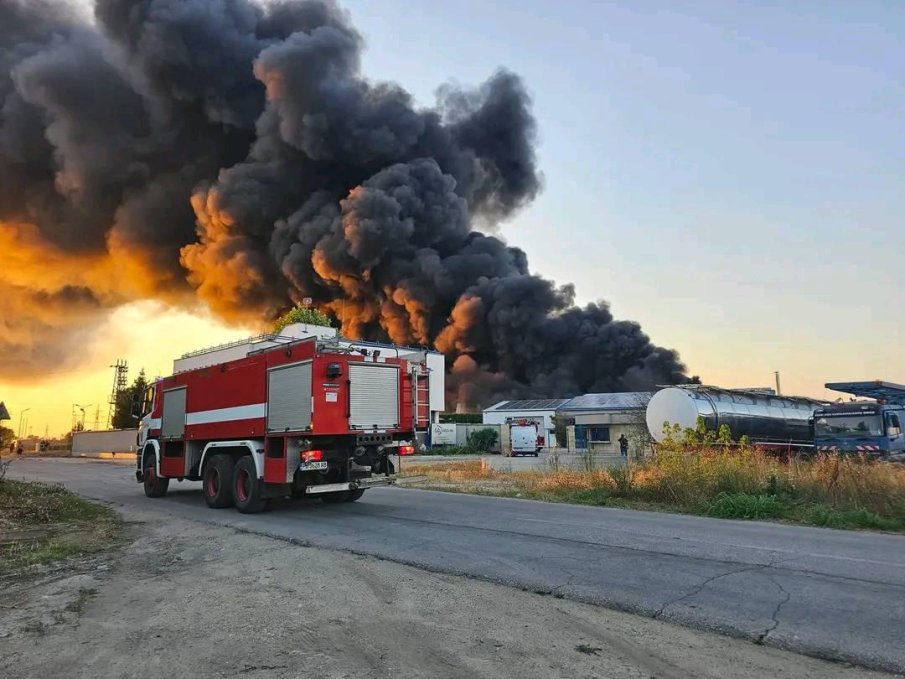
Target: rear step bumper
351, 485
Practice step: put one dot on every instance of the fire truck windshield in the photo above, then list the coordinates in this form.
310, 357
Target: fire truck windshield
848, 425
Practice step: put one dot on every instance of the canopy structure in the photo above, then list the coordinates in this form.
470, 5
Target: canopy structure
884, 392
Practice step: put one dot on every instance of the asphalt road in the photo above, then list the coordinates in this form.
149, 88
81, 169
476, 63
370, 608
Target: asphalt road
832, 594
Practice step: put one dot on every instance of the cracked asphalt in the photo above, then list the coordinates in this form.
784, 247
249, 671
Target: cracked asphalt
832, 594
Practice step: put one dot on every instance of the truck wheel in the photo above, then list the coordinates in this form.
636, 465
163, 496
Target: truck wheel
339, 496
248, 493
355, 494
154, 485
218, 482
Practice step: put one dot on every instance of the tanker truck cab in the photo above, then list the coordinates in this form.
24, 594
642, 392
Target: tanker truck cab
860, 427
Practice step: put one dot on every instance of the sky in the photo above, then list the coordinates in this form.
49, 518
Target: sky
729, 174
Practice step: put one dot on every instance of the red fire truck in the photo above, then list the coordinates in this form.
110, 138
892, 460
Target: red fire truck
285, 417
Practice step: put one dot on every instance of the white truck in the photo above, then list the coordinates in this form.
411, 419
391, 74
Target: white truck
523, 437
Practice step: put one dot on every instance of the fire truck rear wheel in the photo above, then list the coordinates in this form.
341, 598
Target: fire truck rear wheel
154, 485
218, 482
248, 493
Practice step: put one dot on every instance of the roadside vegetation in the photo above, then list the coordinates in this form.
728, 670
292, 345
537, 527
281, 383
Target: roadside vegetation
478, 442
741, 482
42, 524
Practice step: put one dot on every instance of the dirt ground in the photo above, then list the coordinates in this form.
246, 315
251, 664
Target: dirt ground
185, 599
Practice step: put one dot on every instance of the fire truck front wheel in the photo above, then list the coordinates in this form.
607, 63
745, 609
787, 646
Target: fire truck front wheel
154, 485
218, 482
248, 491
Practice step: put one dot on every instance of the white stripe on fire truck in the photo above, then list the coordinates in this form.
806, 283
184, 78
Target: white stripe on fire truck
258, 410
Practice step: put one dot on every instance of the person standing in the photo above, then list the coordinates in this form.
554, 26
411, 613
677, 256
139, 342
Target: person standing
623, 445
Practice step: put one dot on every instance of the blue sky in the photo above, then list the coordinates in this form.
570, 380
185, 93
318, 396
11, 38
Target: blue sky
729, 174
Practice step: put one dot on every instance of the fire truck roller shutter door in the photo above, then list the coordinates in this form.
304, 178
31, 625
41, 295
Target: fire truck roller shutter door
289, 398
173, 421
373, 395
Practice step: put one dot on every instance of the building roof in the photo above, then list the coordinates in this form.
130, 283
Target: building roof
626, 400
530, 404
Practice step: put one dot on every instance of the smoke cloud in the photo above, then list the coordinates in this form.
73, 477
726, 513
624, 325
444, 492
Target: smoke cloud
233, 153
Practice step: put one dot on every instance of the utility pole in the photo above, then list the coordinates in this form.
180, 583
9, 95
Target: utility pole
23, 421
778, 390
120, 382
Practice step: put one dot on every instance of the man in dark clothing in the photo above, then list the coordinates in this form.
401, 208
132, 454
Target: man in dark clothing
623, 445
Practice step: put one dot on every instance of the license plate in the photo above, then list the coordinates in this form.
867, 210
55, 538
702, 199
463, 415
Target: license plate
310, 466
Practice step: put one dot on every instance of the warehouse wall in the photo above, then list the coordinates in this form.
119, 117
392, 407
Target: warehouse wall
94, 442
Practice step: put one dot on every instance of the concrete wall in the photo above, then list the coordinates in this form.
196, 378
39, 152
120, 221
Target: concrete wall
114, 441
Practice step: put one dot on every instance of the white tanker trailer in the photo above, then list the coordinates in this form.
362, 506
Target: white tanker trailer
763, 417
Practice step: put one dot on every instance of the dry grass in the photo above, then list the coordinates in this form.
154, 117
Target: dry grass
40, 523
845, 492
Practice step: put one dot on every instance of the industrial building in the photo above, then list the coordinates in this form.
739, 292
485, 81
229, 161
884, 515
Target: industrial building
596, 421
541, 411
593, 421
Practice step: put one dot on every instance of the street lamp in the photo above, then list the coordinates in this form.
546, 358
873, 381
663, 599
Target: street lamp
82, 408
21, 419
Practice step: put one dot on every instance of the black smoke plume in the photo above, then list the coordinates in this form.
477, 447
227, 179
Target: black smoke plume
234, 153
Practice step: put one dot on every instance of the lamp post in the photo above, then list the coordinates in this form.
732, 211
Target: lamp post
21, 421
82, 408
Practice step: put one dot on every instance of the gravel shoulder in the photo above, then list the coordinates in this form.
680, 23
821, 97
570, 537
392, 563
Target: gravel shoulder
183, 598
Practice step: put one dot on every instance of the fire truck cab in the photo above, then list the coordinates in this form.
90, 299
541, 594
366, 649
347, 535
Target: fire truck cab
300, 413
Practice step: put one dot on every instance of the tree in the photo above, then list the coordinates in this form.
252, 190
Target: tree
7, 436
560, 430
302, 314
122, 415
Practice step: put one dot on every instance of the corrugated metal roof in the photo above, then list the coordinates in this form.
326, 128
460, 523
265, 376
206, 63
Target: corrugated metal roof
616, 401
530, 404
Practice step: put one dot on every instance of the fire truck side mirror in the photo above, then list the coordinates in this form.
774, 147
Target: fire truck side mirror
136, 407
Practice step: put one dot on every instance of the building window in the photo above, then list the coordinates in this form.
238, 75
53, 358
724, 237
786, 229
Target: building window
598, 434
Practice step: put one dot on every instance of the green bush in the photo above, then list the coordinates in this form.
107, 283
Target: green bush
301, 314
745, 506
482, 440
622, 480
821, 515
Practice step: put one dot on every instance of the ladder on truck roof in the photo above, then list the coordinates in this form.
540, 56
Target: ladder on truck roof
884, 392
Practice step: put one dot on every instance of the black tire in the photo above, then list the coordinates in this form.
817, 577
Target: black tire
248, 489
338, 496
355, 494
155, 486
218, 482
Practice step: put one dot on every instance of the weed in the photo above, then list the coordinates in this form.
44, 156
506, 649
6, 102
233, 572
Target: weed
821, 515
743, 482
623, 479
744, 506
69, 526
588, 650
